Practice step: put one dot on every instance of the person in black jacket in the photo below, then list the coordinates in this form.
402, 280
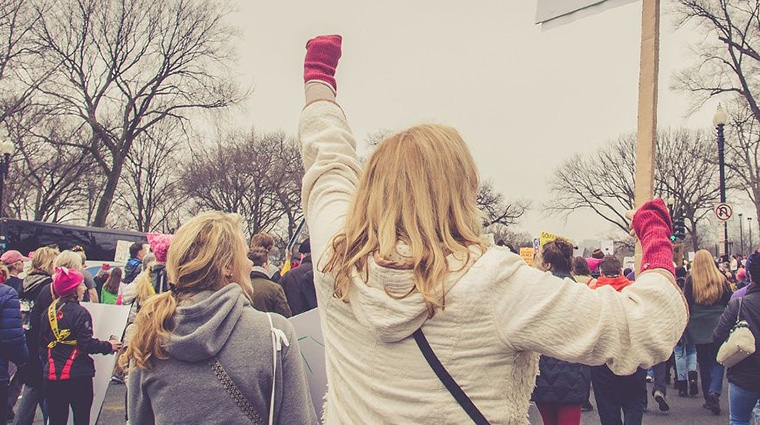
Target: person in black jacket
66, 339
298, 283
561, 387
744, 377
12, 342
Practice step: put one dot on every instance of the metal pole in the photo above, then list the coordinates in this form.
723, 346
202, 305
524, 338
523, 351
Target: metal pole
751, 247
721, 162
741, 234
3, 174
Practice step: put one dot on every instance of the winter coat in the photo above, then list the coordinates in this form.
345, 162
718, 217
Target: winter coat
132, 269
12, 340
16, 283
560, 381
298, 285
703, 318
64, 361
745, 374
36, 288
267, 295
221, 325
500, 313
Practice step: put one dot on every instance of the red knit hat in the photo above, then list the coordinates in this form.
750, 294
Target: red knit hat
66, 281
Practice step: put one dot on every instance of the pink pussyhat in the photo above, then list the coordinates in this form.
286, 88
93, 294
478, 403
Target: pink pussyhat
159, 245
66, 281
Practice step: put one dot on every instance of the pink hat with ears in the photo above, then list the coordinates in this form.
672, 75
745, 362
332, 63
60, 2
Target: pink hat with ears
66, 281
159, 245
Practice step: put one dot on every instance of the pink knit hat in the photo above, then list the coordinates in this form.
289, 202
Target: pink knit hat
741, 275
159, 245
66, 281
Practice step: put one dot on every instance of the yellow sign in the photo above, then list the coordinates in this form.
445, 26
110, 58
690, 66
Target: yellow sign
527, 254
547, 237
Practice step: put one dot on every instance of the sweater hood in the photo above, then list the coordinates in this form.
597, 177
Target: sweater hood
388, 304
204, 323
34, 281
617, 283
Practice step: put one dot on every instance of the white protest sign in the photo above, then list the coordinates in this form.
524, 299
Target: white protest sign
608, 247
629, 263
107, 320
691, 256
308, 327
122, 252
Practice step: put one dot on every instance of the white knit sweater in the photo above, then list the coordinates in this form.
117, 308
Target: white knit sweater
500, 314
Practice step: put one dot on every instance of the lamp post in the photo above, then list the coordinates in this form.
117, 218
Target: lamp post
6, 148
741, 234
719, 120
749, 225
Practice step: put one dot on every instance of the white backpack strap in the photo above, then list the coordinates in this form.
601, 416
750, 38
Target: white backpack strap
278, 339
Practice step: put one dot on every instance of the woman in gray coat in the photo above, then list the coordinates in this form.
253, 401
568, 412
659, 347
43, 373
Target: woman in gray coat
201, 353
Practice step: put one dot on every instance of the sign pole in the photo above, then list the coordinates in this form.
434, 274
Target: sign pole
647, 120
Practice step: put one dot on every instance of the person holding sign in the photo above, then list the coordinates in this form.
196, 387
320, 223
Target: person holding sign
410, 293
66, 337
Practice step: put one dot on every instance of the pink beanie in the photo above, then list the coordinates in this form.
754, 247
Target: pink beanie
741, 275
159, 245
593, 263
66, 281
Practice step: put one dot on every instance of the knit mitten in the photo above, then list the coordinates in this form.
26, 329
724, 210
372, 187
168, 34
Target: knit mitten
322, 55
653, 227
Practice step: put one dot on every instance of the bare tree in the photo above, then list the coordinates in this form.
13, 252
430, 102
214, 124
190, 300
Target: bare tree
602, 182
727, 63
46, 181
149, 194
496, 209
251, 175
685, 169
123, 67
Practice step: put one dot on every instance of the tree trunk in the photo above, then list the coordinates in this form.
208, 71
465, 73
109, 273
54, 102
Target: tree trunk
104, 205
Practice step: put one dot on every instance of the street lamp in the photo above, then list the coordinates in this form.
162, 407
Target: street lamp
6, 148
749, 225
741, 233
719, 121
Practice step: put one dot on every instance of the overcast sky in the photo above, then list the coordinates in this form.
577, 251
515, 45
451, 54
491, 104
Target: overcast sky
524, 99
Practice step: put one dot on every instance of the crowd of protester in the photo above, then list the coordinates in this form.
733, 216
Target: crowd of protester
424, 320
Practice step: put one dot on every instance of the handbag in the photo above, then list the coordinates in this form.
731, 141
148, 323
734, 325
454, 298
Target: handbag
740, 343
448, 381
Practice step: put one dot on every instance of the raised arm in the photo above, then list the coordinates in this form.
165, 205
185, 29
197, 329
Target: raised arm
328, 147
636, 327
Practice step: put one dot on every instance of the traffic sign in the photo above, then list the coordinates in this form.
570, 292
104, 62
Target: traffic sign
723, 211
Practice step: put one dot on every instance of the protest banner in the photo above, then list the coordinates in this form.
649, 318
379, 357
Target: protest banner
308, 327
107, 320
527, 254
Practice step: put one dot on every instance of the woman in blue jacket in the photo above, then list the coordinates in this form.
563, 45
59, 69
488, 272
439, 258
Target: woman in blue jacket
12, 342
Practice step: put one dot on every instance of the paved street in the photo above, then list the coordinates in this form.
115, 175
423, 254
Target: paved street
683, 411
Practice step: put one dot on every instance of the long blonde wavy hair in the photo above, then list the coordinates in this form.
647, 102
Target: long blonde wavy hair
708, 284
207, 253
420, 187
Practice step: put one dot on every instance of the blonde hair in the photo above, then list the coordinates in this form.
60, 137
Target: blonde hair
43, 260
708, 284
431, 166
69, 259
144, 282
207, 253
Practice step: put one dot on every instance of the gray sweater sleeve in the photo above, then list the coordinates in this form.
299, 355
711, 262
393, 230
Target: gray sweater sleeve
296, 406
139, 408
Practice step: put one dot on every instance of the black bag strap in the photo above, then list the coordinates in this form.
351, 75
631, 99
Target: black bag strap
447, 380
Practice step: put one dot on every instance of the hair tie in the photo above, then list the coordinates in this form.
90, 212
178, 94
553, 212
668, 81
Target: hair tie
174, 288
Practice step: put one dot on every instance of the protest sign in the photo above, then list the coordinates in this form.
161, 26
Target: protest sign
547, 237
608, 247
107, 320
122, 252
308, 327
527, 254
